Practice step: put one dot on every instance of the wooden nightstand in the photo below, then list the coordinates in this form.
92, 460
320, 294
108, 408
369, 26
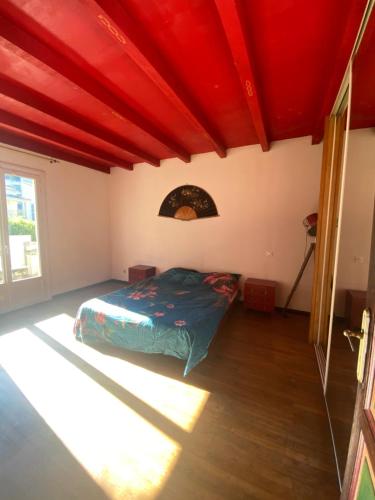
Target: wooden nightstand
259, 294
139, 273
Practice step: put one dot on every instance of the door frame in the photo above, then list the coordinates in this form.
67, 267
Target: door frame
41, 208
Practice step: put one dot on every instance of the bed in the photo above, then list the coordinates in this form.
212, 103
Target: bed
176, 313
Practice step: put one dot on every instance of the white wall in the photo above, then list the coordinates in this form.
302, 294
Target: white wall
261, 198
78, 221
355, 242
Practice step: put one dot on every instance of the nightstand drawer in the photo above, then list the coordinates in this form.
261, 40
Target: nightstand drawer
259, 304
260, 291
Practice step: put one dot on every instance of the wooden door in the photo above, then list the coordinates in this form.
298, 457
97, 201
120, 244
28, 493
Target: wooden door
359, 480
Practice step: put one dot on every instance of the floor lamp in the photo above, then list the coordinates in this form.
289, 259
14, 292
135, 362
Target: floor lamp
310, 223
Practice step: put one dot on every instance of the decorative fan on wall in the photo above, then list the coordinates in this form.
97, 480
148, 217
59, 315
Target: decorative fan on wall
188, 203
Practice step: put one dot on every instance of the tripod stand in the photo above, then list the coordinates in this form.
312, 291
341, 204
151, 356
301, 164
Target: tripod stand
299, 276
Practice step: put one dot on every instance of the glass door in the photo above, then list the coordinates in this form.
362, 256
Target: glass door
3, 292
1, 264
22, 262
21, 203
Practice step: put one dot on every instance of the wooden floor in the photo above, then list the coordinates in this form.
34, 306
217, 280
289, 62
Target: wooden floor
261, 433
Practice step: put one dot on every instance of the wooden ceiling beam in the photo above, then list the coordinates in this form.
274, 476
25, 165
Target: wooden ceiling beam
36, 100
15, 27
23, 142
235, 31
140, 48
22, 124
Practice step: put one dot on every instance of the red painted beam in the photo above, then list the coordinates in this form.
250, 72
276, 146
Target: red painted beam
336, 70
36, 100
235, 31
23, 142
141, 49
24, 33
22, 124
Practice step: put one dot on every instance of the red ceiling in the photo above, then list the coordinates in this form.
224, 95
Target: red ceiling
114, 82
363, 93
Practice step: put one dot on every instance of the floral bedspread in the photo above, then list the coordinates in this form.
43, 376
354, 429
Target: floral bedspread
176, 313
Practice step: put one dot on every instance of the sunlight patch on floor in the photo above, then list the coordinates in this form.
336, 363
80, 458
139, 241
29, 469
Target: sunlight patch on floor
124, 453
180, 402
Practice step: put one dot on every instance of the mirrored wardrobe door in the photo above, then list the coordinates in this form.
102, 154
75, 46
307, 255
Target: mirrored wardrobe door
358, 192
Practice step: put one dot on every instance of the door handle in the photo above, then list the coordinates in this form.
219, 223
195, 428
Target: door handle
350, 334
362, 336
